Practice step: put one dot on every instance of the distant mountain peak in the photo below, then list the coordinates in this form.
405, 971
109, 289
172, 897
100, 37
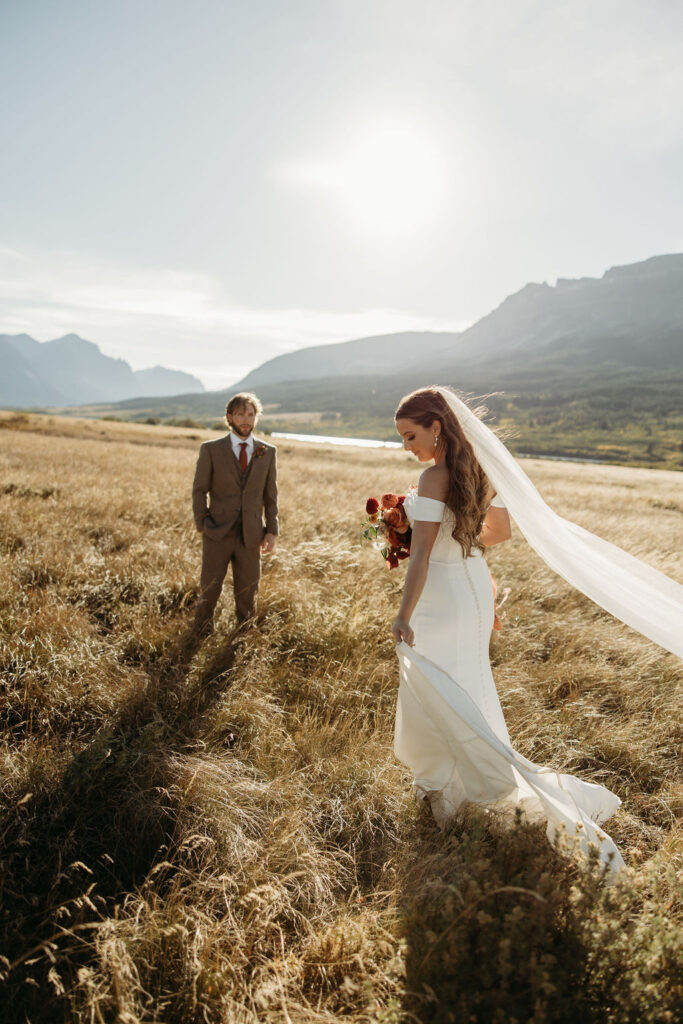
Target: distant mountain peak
72, 341
575, 282
73, 371
20, 338
530, 291
671, 263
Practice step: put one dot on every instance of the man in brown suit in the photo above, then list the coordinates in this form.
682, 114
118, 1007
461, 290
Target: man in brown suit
238, 473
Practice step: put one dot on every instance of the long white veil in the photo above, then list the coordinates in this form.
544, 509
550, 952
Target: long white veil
632, 591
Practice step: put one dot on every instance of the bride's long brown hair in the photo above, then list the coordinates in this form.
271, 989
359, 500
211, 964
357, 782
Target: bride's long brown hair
468, 485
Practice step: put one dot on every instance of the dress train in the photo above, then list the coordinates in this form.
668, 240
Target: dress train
455, 756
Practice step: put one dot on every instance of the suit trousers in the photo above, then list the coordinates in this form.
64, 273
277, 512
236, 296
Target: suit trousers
217, 555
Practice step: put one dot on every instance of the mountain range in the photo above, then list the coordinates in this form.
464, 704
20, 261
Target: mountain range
71, 371
631, 317
585, 368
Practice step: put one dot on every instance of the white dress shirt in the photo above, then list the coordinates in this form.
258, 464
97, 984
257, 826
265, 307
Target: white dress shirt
236, 441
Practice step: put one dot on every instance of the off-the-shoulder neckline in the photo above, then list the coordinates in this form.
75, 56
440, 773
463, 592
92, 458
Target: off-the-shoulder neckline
423, 497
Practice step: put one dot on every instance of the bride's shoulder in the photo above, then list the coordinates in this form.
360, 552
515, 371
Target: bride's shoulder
433, 483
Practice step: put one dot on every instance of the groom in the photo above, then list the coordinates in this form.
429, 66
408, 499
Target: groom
238, 474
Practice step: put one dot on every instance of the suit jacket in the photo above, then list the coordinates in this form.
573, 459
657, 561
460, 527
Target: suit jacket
235, 496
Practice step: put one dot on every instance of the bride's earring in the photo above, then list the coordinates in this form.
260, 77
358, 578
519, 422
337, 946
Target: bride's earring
436, 440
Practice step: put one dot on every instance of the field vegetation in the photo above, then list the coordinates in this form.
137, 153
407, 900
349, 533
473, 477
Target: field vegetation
220, 833
605, 413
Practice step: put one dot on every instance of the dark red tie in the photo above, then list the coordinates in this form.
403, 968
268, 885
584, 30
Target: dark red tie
244, 461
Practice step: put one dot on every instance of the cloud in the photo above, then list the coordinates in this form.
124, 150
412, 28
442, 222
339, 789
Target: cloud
616, 65
177, 318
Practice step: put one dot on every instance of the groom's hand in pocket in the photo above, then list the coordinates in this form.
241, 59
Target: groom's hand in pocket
402, 630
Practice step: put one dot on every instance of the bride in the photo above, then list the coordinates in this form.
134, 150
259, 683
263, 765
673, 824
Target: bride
450, 729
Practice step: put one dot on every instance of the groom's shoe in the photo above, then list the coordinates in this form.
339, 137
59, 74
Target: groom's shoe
204, 629
245, 622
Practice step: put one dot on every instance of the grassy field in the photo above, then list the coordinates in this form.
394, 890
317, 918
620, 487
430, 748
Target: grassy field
222, 834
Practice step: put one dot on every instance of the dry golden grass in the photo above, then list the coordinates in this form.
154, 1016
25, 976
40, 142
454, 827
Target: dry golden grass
154, 871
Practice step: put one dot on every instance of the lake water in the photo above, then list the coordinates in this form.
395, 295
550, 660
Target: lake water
353, 442
366, 442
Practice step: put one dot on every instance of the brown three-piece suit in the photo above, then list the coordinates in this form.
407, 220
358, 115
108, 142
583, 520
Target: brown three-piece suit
232, 522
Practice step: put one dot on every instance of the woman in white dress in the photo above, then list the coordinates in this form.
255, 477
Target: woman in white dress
450, 729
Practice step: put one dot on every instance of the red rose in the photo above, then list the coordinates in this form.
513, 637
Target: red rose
392, 560
395, 517
389, 500
403, 553
391, 517
401, 498
372, 506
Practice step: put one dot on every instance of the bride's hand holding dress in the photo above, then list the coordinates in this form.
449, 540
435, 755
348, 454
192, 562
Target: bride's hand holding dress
402, 631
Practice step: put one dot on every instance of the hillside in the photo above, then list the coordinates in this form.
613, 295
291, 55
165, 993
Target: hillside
589, 368
368, 357
223, 834
72, 371
621, 415
631, 317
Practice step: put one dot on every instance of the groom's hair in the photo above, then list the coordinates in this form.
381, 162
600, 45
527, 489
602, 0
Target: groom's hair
240, 400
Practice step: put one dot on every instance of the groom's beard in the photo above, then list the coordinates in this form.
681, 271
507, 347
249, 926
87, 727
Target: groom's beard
242, 431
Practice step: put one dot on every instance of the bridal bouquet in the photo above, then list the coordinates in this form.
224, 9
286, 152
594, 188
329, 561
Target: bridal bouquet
386, 527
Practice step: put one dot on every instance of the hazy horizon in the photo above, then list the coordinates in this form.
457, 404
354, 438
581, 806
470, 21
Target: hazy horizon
206, 190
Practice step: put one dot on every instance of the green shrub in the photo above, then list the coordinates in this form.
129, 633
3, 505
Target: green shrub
500, 928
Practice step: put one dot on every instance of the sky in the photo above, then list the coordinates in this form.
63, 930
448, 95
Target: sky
207, 185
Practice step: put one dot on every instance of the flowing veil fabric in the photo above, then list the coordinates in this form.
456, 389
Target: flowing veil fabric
632, 591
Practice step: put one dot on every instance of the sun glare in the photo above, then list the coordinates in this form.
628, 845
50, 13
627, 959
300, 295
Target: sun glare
389, 180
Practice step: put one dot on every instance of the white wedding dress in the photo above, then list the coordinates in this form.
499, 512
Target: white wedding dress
450, 730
